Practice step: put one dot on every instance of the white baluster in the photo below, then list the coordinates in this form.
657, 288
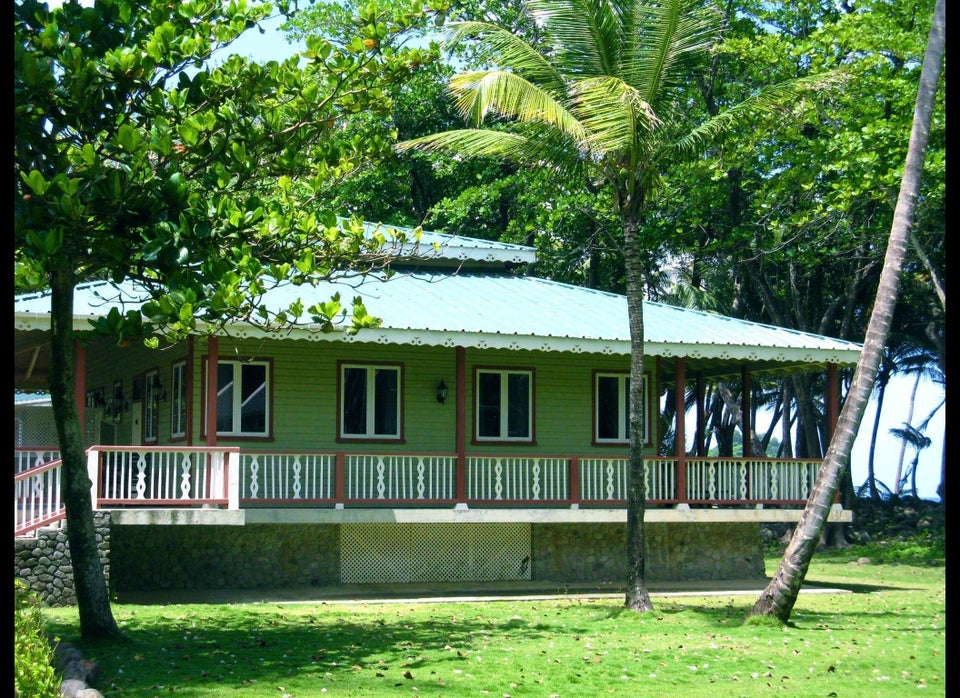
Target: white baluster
381, 482
296, 477
141, 476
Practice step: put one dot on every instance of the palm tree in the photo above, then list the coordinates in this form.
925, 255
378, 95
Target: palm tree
780, 595
918, 440
599, 97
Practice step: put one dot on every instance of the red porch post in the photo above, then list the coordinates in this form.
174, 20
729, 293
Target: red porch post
210, 409
680, 442
213, 358
745, 412
833, 399
833, 409
80, 383
701, 421
461, 427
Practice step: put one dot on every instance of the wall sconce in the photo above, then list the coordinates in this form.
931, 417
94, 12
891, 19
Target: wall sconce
159, 393
120, 405
441, 392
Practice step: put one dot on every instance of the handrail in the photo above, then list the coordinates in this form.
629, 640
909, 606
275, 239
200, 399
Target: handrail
225, 477
36, 498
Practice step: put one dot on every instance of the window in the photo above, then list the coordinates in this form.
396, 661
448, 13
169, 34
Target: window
243, 405
611, 398
369, 402
178, 400
504, 405
151, 407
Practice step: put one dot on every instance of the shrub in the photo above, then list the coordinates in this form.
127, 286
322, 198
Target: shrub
34, 675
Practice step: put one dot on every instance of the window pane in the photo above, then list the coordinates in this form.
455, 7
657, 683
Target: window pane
354, 401
253, 406
518, 408
225, 397
178, 403
385, 402
488, 404
609, 402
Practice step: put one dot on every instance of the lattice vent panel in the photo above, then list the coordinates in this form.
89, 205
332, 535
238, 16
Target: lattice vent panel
372, 553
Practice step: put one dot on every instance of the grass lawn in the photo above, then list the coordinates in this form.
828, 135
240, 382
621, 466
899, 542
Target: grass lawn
885, 636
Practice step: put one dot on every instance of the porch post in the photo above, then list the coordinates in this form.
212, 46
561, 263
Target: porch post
213, 358
680, 442
833, 399
187, 389
833, 410
745, 412
210, 399
701, 421
80, 384
461, 428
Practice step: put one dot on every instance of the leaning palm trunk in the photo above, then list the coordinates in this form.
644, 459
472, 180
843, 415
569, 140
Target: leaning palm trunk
780, 595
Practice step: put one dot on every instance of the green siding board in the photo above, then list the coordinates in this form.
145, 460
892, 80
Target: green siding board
304, 392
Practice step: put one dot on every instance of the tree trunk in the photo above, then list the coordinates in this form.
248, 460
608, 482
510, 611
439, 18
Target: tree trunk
780, 595
93, 601
871, 470
637, 595
909, 421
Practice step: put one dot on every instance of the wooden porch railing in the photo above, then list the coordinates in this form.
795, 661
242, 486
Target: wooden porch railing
36, 498
142, 476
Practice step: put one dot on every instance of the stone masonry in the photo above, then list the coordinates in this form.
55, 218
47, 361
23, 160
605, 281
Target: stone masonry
43, 562
152, 558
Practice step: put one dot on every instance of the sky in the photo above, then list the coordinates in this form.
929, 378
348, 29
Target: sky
272, 45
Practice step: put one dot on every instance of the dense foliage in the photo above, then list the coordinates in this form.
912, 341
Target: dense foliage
33, 673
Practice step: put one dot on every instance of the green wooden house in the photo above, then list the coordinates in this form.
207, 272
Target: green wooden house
478, 434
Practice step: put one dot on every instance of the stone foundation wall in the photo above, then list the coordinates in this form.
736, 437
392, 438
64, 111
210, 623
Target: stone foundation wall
151, 558
148, 558
674, 552
43, 562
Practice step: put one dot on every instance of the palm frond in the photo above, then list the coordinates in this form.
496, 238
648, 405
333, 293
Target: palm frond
511, 96
663, 38
612, 112
470, 142
532, 147
767, 106
588, 33
504, 50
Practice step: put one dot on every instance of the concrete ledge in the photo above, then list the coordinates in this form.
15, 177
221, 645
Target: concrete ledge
177, 517
338, 516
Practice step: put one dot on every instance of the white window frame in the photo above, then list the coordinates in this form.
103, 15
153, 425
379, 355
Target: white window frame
178, 400
371, 400
238, 401
504, 407
623, 408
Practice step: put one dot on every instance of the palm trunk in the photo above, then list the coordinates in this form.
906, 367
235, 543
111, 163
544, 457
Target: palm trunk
903, 443
93, 602
637, 595
871, 469
780, 595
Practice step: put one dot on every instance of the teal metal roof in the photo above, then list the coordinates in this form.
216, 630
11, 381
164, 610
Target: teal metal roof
517, 313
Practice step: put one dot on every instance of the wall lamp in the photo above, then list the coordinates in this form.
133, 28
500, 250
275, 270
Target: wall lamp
441, 392
159, 392
120, 405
